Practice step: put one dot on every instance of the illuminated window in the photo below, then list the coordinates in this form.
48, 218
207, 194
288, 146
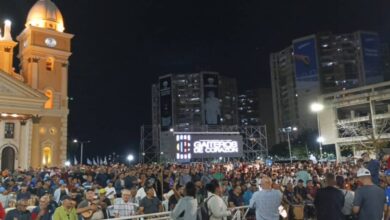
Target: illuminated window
9, 130
46, 156
50, 64
49, 102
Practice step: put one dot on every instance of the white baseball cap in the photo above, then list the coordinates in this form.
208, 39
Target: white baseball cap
363, 172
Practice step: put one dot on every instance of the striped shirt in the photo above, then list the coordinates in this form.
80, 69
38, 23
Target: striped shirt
124, 209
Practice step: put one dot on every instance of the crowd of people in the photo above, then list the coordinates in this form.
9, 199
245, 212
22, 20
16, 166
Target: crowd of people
302, 190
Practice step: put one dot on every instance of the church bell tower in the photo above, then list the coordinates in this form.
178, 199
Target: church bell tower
44, 51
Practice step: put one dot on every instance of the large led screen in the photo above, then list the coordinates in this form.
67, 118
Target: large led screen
191, 146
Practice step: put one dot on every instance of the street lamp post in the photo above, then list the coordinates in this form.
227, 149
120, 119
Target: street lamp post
288, 130
81, 148
316, 108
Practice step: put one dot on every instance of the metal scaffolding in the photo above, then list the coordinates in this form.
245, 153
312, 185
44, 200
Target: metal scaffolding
255, 142
254, 138
149, 144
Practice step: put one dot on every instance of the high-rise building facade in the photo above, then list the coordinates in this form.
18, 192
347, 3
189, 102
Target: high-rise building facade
255, 109
320, 64
184, 102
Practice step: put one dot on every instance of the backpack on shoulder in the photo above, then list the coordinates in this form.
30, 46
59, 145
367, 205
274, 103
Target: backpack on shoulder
203, 211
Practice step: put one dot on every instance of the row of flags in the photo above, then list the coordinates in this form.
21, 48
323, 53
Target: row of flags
97, 161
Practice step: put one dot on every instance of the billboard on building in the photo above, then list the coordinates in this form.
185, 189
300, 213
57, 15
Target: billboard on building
306, 78
305, 60
165, 85
203, 145
211, 104
371, 57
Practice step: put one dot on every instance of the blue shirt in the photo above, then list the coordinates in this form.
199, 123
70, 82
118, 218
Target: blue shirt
266, 203
247, 197
373, 166
387, 195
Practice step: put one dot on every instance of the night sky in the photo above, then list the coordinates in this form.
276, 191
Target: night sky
122, 46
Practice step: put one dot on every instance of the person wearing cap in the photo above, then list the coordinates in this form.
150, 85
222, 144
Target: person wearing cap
61, 191
104, 201
235, 198
4, 197
23, 193
91, 204
370, 200
110, 190
38, 189
249, 192
373, 166
300, 191
66, 211
329, 201
21, 212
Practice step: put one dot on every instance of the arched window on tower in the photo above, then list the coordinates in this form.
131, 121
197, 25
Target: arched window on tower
50, 64
49, 102
46, 156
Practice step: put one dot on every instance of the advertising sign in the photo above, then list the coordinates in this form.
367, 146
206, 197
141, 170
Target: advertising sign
305, 60
307, 77
211, 104
208, 146
166, 103
371, 57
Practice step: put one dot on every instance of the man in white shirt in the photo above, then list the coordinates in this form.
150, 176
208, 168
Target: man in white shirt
123, 207
215, 204
110, 191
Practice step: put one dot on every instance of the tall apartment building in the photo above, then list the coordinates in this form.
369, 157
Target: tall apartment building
320, 64
184, 102
248, 108
255, 108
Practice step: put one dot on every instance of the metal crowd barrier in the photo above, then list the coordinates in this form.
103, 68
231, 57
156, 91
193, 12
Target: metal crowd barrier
239, 214
154, 216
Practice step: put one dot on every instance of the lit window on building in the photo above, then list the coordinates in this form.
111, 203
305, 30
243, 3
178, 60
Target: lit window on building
9, 130
50, 64
49, 102
46, 156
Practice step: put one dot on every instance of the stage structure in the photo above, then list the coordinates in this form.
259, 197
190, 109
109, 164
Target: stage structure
255, 142
149, 146
203, 143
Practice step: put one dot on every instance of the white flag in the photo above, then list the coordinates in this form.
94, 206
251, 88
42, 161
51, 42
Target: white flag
89, 162
94, 161
105, 160
75, 161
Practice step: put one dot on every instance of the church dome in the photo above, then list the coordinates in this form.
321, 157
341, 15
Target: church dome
45, 14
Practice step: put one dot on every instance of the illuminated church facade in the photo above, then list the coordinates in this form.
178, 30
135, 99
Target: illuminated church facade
34, 102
